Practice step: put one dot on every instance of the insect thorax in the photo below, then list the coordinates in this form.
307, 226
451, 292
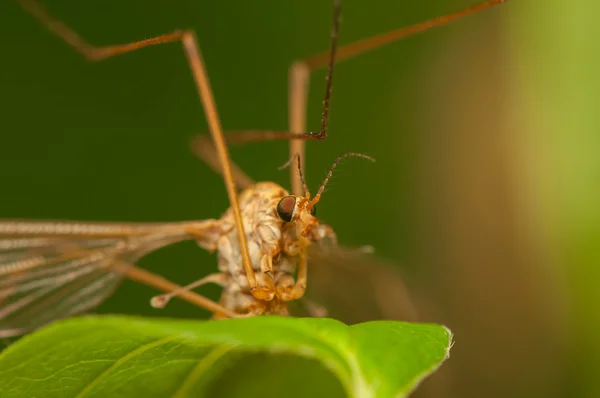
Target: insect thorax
267, 237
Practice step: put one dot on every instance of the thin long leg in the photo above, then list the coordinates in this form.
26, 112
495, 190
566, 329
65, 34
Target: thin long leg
162, 300
140, 275
299, 72
299, 80
205, 150
194, 58
299, 76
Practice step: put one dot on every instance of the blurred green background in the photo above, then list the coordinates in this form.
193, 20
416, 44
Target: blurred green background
485, 190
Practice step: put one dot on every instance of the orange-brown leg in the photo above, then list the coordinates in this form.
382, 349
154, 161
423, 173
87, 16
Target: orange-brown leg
162, 300
145, 277
205, 150
299, 79
194, 58
296, 290
299, 74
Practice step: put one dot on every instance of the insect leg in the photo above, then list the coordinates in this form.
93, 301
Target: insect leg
299, 79
300, 286
194, 58
296, 291
350, 50
162, 300
140, 275
205, 150
299, 72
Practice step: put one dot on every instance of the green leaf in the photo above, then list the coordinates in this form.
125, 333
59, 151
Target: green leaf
117, 356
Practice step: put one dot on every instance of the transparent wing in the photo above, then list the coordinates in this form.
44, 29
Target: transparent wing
355, 286
55, 269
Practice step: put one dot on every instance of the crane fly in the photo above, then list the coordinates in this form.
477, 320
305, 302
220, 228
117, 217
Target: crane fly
56, 269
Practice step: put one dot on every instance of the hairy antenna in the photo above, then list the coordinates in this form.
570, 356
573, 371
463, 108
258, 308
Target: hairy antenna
288, 163
330, 173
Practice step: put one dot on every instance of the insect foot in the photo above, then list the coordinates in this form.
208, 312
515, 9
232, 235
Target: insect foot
288, 289
291, 293
263, 293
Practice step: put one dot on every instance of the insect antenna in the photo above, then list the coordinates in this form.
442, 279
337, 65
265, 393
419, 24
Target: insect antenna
330, 173
300, 172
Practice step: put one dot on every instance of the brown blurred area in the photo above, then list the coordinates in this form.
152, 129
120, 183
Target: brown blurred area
485, 270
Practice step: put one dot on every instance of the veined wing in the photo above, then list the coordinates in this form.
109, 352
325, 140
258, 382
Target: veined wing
56, 269
355, 286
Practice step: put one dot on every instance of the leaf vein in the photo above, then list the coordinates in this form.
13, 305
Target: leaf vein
197, 371
132, 354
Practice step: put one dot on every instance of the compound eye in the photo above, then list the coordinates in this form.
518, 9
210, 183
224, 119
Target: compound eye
285, 208
313, 211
